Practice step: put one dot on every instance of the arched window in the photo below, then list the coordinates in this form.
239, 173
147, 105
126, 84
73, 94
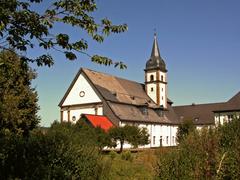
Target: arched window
161, 77
151, 78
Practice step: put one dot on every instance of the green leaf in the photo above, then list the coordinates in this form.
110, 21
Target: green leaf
70, 55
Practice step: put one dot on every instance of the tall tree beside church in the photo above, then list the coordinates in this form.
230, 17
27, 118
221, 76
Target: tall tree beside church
18, 101
131, 134
22, 27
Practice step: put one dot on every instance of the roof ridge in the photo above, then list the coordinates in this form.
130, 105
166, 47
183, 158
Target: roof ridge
200, 104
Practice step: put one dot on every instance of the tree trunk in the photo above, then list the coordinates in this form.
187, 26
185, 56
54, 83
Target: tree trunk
121, 146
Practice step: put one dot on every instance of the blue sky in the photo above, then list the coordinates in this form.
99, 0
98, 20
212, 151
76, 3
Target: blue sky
199, 41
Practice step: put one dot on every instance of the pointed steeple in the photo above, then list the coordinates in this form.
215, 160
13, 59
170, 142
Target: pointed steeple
156, 61
155, 48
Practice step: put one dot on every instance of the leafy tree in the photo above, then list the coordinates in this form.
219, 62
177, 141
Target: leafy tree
18, 101
230, 147
23, 28
184, 129
64, 151
196, 157
131, 134
102, 138
204, 154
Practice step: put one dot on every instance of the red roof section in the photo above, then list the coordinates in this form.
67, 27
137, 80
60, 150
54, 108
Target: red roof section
99, 121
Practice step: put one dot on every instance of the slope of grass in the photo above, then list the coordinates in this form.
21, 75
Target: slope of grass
130, 166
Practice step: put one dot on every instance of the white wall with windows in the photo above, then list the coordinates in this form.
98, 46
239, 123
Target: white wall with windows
159, 134
224, 117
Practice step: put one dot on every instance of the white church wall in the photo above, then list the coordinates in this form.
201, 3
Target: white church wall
151, 89
81, 93
65, 116
78, 111
163, 135
163, 94
149, 74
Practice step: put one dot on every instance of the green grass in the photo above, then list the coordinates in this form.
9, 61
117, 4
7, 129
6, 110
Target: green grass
139, 166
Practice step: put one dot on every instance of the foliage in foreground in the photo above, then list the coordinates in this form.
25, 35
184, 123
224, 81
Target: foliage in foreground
206, 154
18, 100
65, 151
23, 26
185, 128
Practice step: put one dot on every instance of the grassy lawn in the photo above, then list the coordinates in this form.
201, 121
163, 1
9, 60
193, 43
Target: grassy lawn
137, 165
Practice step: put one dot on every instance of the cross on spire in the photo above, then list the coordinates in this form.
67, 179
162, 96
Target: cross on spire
155, 32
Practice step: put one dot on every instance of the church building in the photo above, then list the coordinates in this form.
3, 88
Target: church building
123, 102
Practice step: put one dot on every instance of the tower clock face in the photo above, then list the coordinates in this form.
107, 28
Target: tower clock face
82, 94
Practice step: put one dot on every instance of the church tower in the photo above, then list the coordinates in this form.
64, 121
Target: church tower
156, 77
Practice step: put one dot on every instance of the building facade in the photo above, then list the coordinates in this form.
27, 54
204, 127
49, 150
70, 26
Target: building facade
144, 105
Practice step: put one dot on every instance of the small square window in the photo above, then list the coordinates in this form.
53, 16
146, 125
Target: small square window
152, 89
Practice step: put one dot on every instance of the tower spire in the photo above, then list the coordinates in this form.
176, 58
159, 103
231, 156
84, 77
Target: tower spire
155, 48
156, 76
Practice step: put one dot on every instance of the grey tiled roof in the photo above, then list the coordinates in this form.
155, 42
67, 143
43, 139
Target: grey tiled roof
125, 97
204, 113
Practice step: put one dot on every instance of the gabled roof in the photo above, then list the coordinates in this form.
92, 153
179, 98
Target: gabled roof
116, 89
200, 114
232, 105
124, 98
99, 121
204, 113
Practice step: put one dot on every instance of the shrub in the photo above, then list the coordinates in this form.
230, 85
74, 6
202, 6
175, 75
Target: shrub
127, 155
196, 157
113, 154
63, 152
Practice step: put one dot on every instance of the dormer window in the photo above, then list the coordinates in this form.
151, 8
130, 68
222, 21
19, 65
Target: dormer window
160, 112
151, 78
144, 110
114, 93
196, 119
